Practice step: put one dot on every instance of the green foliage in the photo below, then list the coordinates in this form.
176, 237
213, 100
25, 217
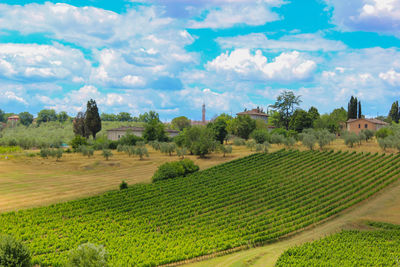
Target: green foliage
277, 139
124, 116
309, 140
260, 136
175, 169
289, 141
333, 121
225, 149
180, 123
277, 194
141, 151
354, 108
155, 131
86, 151
380, 247
242, 126
300, 120
181, 152
129, 139
169, 170
263, 147
107, 154
251, 144
324, 137
237, 141
9, 149
383, 132
219, 127
368, 134
198, 139
13, 252
285, 105
25, 118
92, 118
394, 113
385, 143
46, 115
350, 139
88, 255
77, 142
123, 185
149, 117
280, 131
79, 125
2, 116
167, 148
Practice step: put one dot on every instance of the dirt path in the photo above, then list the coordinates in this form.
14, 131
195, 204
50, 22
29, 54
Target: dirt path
385, 207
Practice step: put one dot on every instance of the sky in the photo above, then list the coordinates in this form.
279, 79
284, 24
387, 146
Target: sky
174, 55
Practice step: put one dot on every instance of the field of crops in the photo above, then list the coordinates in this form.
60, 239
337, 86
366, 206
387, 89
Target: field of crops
380, 247
254, 199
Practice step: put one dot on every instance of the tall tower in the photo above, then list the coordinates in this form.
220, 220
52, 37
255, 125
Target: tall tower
203, 118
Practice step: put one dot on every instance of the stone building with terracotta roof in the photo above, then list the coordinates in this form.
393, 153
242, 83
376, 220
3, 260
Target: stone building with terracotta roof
116, 133
256, 114
356, 125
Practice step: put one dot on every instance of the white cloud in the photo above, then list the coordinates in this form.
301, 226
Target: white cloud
382, 16
302, 42
391, 77
30, 62
232, 14
9, 95
287, 67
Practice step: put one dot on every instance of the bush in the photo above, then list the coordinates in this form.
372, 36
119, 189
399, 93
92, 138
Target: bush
383, 132
181, 152
260, 136
88, 255
225, 149
107, 153
280, 131
13, 252
350, 139
263, 147
78, 141
289, 141
237, 141
123, 185
44, 153
129, 139
174, 169
309, 141
277, 139
251, 144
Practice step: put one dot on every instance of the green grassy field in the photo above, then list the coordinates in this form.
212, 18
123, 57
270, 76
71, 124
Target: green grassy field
377, 247
252, 200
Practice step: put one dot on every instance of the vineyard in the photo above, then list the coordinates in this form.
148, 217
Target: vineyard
252, 200
380, 247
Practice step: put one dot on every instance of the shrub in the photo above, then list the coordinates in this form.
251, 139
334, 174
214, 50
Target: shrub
277, 139
88, 255
189, 166
350, 139
44, 152
386, 143
368, 134
174, 169
237, 141
129, 139
181, 152
86, 151
225, 149
383, 132
141, 151
78, 141
123, 185
13, 252
107, 153
251, 144
289, 141
167, 148
262, 147
169, 170
260, 136
280, 131
309, 141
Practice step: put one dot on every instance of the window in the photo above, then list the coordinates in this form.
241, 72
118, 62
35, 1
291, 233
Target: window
366, 126
359, 126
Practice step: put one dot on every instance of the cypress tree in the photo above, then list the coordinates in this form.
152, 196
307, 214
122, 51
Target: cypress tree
394, 112
92, 120
352, 108
359, 110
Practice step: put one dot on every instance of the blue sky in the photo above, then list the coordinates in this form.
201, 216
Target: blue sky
173, 55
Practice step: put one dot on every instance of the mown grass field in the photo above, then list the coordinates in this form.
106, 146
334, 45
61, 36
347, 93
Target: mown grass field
253, 200
32, 181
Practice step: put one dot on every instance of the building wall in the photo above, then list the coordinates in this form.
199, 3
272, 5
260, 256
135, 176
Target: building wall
258, 117
361, 124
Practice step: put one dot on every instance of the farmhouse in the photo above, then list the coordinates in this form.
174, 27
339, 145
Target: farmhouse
116, 133
255, 114
356, 125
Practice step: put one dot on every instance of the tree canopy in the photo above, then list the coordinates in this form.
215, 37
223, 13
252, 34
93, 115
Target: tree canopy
92, 118
180, 123
25, 118
285, 105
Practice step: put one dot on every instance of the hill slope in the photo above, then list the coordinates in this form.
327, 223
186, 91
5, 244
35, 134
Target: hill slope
255, 199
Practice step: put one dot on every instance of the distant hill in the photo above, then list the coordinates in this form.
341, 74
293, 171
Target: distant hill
252, 200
